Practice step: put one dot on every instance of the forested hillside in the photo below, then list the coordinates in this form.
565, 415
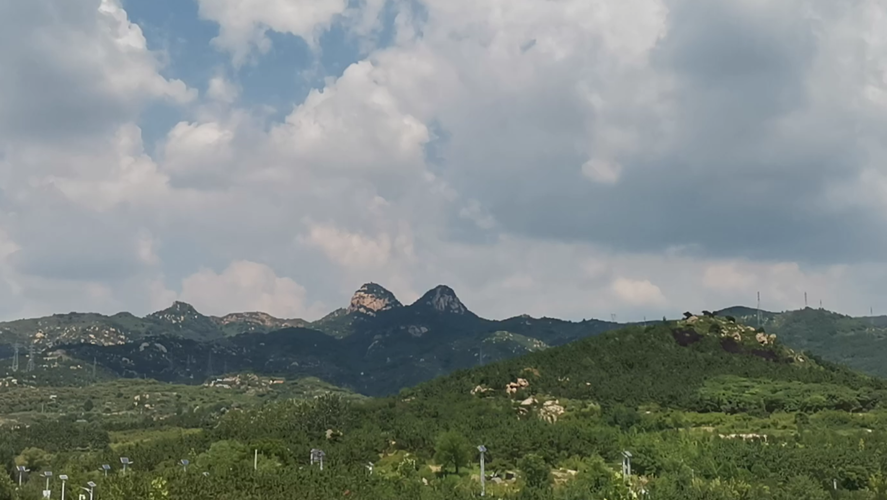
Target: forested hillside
709, 410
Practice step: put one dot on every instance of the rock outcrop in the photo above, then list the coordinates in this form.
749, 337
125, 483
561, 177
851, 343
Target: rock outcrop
372, 298
443, 299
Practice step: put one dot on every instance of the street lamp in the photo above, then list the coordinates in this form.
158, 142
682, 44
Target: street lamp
483, 484
626, 465
90, 487
21, 471
369, 467
106, 468
184, 462
317, 457
125, 461
64, 478
48, 475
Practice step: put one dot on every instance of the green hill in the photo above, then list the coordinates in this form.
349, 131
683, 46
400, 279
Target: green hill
709, 409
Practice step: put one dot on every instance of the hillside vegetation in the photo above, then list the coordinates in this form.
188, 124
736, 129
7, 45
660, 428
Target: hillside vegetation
709, 409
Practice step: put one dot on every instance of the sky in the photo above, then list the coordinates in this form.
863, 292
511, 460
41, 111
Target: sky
565, 158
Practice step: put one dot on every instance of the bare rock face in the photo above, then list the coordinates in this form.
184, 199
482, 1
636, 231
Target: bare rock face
372, 298
442, 298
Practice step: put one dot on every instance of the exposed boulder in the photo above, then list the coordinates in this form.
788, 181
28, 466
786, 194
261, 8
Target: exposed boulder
513, 387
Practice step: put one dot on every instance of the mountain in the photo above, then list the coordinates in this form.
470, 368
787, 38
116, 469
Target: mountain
374, 346
180, 319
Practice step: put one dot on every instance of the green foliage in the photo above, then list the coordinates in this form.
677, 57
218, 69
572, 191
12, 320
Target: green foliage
452, 449
702, 421
537, 473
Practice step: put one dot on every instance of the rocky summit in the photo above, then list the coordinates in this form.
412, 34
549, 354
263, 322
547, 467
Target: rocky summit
372, 298
443, 299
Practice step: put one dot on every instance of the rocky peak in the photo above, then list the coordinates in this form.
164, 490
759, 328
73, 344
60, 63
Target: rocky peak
372, 298
442, 298
177, 312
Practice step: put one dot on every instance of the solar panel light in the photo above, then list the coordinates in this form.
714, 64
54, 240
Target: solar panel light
184, 461
106, 467
47, 473
63, 477
626, 454
482, 449
125, 461
90, 487
22, 468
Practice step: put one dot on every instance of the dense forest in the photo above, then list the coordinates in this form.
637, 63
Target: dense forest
707, 408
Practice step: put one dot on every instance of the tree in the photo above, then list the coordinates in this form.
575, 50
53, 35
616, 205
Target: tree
452, 448
33, 458
537, 474
7, 487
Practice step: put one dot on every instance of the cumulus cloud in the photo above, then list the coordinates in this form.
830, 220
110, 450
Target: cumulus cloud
571, 158
246, 286
638, 292
243, 24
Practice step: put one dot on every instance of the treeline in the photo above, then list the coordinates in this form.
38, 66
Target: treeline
636, 389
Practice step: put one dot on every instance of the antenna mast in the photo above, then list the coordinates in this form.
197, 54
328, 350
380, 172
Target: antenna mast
759, 309
31, 358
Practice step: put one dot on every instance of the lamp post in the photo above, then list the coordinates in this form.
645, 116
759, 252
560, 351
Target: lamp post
317, 457
626, 465
106, 468
483, 480
125, 461
184, 463
90, 487
64, 478
48, 475
22, 470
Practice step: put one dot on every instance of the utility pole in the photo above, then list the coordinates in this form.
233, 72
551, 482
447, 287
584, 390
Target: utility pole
15, 358
805, 300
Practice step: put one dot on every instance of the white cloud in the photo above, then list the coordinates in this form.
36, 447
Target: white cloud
243, 24
638, 292
222, 90
603, 171
351, 250
246, 286
519, 100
